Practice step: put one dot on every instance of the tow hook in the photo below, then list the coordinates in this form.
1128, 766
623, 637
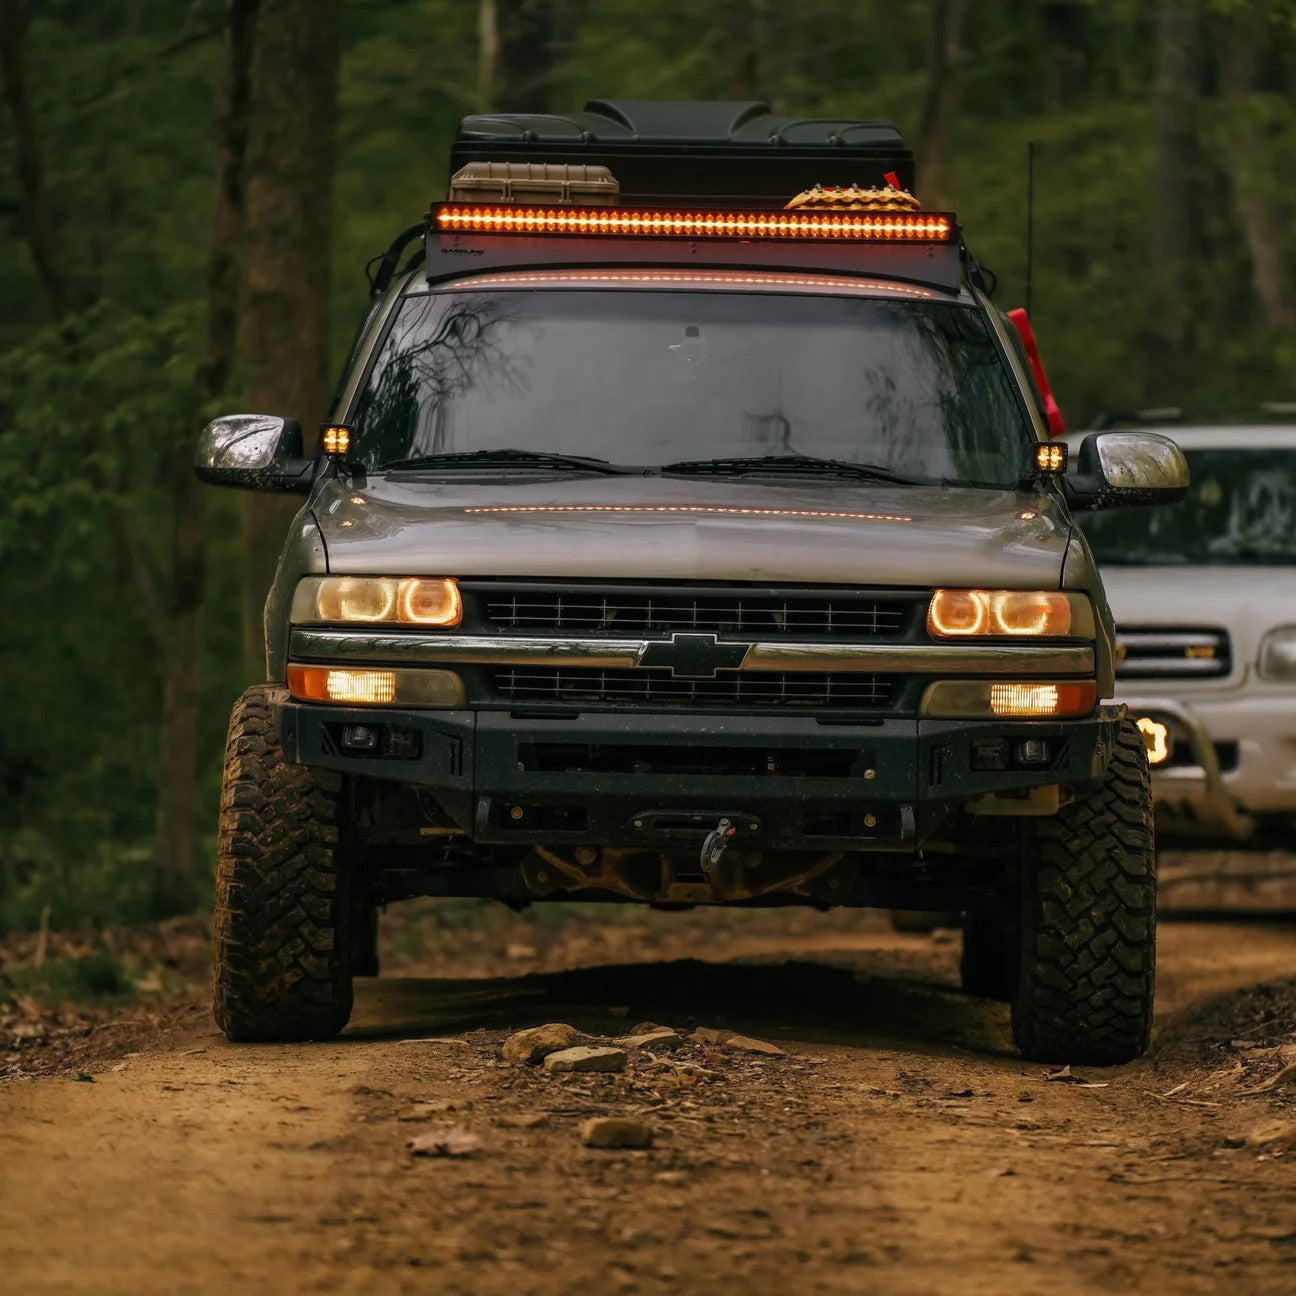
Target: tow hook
713, 848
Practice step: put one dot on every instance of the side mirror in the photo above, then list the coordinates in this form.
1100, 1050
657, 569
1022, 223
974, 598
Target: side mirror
1121, 469
254, 452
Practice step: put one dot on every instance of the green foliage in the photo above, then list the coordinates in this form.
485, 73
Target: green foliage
83, 979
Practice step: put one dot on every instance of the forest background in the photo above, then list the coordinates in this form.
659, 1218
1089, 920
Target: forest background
189, 192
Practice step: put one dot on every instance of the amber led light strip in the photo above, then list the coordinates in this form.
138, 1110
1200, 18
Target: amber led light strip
833, 226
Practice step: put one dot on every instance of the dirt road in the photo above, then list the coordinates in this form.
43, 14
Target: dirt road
898, 1146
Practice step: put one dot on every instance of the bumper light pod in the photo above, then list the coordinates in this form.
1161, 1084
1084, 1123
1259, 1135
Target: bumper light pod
371, 686
998, 700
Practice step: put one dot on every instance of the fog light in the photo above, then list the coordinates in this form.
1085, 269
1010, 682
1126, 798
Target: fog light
359, 737
402, 744
989, 754
1032, 751
1156, 737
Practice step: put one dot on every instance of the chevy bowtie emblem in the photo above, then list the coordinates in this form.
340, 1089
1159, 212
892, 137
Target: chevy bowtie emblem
694, 656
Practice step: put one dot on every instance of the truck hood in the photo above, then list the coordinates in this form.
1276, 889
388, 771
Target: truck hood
683, 529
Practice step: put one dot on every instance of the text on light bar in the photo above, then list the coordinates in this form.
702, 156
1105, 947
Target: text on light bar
834, 226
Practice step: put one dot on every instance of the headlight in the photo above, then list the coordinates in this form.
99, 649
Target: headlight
1018, 614
407, 600
1277, 659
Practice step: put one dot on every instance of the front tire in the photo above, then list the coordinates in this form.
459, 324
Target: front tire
283, 889
1088, 958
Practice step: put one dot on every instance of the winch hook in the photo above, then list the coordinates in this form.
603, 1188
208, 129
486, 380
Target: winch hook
714, 847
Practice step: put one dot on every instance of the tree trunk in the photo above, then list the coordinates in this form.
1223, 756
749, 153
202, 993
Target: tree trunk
289, 214
1250, 35
741, 49
488, 41
525, 61
183, 642
38, 220
1178, 56
940, 102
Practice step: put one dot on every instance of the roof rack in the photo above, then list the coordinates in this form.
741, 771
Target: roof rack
725, 153
1182, 416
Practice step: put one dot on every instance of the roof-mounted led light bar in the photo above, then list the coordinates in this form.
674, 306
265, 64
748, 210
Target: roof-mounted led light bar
845, 226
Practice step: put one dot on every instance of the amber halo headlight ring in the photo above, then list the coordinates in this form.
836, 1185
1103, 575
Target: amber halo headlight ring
1009, 614
430, 601
1009, 699
376, 686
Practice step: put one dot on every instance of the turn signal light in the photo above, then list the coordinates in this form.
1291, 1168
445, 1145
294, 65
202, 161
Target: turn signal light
962, 614
374, 686
1001, 700
342, 684
617, 222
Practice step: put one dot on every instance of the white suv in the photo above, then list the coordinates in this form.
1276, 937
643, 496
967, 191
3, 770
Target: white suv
1204, 596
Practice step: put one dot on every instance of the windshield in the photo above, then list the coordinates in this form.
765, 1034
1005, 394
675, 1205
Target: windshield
1240, 509
650, 378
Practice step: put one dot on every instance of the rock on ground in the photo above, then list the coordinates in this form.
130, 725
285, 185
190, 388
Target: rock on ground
660, 1037
616, 1132
530, 1047
745, 1044
584, 1058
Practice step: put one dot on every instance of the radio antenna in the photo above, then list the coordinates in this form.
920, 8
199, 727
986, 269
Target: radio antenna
1030, 220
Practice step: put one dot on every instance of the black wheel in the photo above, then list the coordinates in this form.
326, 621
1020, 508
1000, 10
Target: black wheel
1088, 945
991, 961
282, 954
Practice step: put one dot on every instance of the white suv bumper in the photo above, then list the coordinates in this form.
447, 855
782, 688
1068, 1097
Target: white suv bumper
1195, 786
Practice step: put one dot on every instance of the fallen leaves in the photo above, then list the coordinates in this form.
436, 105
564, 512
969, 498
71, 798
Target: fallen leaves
1065, 1076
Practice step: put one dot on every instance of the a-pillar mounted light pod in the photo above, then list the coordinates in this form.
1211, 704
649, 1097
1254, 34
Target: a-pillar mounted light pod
1049, 458
335, 439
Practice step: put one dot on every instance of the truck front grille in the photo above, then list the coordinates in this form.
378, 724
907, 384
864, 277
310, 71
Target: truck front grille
729, 689
1173, 652
630, 610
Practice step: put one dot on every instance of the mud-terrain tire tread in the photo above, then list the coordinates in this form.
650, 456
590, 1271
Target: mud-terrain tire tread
282, 958
990, 962
1088, 964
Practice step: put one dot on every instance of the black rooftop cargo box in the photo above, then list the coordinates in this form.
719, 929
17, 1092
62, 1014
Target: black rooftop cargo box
736, 154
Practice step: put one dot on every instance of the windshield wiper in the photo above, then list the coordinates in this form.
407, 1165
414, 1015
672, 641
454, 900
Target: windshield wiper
508, 458
788, 464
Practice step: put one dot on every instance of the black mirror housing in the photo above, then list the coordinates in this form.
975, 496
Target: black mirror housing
1124, 470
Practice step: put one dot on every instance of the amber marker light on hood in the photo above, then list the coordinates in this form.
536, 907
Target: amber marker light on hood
432, 601
1004, 700
838, 226
1018, 614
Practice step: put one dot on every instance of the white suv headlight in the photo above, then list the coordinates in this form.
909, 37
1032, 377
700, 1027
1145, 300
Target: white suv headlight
1278, 654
